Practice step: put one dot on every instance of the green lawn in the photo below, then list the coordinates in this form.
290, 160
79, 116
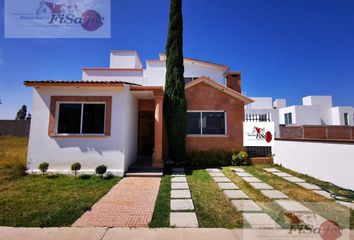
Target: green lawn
42, 201
161, 216
49, 201
13, 152
213, 208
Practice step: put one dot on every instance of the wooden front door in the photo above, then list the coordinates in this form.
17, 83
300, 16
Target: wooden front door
146, 133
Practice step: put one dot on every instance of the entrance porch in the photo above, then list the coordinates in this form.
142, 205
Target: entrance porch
150, 128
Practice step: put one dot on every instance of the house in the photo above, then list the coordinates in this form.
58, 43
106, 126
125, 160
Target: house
315, 110
114, 116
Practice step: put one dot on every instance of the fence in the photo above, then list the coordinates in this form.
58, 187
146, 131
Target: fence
18, 128
317, 132
258, 151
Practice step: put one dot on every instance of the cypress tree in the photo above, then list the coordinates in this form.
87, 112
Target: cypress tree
22, 113
175, 105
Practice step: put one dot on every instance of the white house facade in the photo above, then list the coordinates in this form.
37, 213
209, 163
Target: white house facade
114, 116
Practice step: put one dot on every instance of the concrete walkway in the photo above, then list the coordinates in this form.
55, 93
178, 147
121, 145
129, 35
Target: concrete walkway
73, 233
130, 203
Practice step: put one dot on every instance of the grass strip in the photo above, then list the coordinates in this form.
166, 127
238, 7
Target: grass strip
161, 216
213, 208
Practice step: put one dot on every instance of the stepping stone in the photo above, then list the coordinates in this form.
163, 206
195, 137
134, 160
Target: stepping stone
182, 205
214, 170
271, 170
311, 219
183, 219
246, 206
261, 221
179, 186
346, 204
224, 186
324, 194
292, 206
294, 179
221, 179
178, 175
309, 186
274, 194
243, 174
251, 179
216, 174
261, 186
282, 174
179, 179
238, 170
180, 194
235, 194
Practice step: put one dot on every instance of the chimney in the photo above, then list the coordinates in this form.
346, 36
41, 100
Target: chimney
233, 81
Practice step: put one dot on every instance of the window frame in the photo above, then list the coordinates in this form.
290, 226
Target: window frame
346, 119
201, 123
57, 107
54, 115
288, 116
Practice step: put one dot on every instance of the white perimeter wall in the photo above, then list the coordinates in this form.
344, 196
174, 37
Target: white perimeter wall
333, 162
115, 151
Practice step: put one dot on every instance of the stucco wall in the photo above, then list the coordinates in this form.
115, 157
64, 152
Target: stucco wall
204, 97
327, 161
155, 73
113, 151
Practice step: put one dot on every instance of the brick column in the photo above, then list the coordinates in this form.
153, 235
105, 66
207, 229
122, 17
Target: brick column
158, 161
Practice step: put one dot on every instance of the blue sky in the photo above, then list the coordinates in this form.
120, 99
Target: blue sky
284, 48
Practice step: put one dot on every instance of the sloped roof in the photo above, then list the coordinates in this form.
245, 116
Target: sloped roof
220, 87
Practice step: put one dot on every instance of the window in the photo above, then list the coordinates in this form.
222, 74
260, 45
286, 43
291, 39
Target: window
346, 119
206, 123
81, 118
288, 118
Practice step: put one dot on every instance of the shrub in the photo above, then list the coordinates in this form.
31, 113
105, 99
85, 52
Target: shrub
43, 167
209, 158
108, 176
239, 159
85, 176
100, 170
75, 167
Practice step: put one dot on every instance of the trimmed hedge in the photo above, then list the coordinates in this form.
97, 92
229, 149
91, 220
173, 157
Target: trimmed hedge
209, 158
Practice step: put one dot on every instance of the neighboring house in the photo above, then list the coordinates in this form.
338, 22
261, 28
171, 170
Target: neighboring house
114, 116
316, 110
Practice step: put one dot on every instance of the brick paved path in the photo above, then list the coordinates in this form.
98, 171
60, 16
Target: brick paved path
130, 203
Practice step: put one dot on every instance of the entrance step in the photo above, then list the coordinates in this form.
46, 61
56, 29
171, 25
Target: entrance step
144, 172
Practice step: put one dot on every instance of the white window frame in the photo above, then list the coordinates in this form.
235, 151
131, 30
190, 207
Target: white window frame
290, 117
201, 123
57, 108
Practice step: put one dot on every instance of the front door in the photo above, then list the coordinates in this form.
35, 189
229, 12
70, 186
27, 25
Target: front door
146, 134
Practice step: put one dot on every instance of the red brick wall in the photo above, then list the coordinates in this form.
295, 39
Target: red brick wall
205, 97
317, 132
339, 132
